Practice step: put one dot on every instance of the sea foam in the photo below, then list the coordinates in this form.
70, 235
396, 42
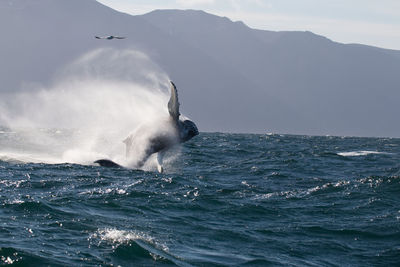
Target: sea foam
360, 153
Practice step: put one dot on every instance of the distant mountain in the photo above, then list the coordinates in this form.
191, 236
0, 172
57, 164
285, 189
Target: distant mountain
321, 87
230, 77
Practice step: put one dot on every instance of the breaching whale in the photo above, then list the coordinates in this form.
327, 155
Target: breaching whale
149, 139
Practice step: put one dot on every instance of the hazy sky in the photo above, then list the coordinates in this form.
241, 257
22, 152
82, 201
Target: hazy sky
372, 22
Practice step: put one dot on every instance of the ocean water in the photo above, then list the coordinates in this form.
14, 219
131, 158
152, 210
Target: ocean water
224, 200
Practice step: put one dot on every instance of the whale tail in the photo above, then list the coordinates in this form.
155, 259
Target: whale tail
107, 163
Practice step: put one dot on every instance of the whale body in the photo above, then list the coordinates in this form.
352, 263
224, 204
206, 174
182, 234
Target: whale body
150, 139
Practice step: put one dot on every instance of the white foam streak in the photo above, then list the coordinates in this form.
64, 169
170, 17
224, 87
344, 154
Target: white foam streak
360, 153
120, 236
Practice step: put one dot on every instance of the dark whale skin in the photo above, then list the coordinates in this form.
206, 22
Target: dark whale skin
107, 163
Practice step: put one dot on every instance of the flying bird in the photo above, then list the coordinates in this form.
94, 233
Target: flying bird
110, 37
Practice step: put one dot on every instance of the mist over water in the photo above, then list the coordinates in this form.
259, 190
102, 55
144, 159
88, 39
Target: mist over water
92, 105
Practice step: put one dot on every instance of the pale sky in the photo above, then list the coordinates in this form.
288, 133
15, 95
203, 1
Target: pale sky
371, 22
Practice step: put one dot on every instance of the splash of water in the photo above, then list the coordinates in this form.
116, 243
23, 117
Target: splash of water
93, 104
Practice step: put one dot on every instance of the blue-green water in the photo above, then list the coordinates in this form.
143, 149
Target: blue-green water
225, 200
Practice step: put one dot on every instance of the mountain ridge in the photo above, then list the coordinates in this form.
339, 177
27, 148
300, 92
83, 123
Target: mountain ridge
231, 77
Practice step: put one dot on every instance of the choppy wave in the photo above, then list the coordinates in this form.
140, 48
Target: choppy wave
229, 200
133, 245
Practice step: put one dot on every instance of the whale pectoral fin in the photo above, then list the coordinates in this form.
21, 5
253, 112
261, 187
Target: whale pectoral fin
173, 103
160, 156
160, 168
128, 144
